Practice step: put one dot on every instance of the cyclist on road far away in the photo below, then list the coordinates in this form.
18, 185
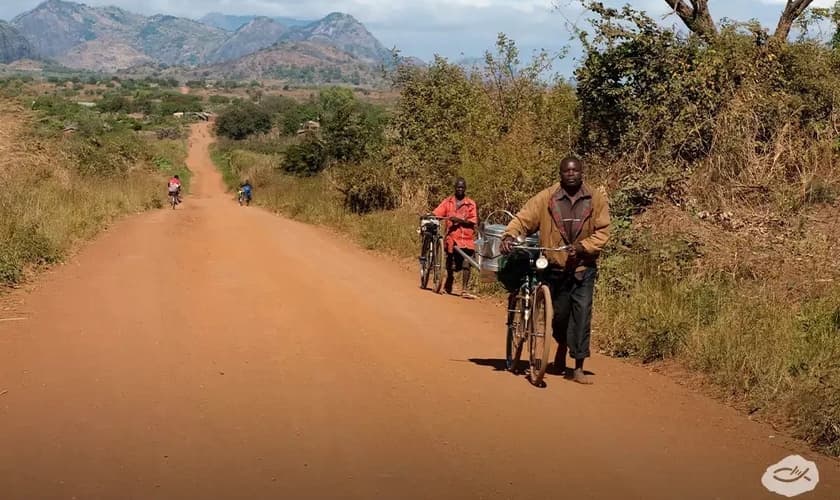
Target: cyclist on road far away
245, 188
174, 187
462, 217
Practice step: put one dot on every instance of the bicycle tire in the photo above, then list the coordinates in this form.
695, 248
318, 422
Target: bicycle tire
438, 264
172, 201
516, 331
425, 267
540, 334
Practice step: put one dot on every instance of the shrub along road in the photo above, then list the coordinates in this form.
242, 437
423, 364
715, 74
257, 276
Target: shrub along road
216, 351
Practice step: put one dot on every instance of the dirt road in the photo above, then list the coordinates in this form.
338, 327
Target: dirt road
216, 351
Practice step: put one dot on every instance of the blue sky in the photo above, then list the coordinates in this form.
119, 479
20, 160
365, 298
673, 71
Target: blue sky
445, 27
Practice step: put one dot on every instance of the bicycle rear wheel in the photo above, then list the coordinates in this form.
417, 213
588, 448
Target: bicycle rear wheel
425, 262
540, 334
438, 264
516, 332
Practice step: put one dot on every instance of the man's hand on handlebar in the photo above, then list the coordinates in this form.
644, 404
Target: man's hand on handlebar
576, 249
507, 245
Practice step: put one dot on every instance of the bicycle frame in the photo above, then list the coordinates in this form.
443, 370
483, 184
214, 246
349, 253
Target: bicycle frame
424, 222
522, 305
430, 250
530, 282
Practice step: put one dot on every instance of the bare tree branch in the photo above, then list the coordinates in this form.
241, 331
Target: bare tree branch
793, 9
696, 17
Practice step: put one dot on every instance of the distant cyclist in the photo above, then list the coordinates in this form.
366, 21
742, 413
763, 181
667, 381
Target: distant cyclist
245, 192
174, 187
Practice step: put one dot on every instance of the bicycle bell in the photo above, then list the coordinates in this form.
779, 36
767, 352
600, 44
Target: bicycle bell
542, 262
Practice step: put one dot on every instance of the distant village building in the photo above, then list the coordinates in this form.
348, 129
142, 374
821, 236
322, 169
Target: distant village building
309, 126
201, 115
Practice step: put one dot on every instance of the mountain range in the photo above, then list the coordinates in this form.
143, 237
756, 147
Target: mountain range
110, 39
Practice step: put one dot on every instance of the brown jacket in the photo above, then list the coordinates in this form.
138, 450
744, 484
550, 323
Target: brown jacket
592, 232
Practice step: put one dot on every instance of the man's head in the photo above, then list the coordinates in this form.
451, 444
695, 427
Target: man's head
460, 188
571, 172
176, 176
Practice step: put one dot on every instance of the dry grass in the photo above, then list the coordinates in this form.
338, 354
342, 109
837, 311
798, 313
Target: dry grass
47, 206
756, 309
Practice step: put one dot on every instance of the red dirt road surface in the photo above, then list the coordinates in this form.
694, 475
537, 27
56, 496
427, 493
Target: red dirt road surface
219, 351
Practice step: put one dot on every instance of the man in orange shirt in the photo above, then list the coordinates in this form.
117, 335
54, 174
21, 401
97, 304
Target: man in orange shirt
462, 215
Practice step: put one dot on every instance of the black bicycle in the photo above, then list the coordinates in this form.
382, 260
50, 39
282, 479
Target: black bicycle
530, 310
431, 252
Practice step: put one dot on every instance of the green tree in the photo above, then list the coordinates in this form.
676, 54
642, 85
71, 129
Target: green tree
238, 121
306, 158
351, 130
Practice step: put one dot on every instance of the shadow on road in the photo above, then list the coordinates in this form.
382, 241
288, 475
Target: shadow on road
499, 365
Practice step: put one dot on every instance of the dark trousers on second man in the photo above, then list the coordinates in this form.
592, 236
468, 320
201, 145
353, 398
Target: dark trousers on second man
572, 300
454, 263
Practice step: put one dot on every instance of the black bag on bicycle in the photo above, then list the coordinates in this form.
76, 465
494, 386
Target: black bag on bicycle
512, 269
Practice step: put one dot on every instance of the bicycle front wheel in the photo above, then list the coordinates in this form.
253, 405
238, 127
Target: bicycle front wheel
516, 332
438, 264
539, 340
425, 262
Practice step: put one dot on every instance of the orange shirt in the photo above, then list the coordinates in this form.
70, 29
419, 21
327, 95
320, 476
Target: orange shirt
464, 237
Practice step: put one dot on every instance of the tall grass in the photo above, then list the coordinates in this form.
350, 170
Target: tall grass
779, 357
54, 193
41, 219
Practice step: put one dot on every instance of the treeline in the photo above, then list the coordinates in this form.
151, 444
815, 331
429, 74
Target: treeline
347, 131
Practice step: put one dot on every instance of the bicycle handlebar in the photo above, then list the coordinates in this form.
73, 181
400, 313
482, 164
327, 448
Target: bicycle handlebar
564, 248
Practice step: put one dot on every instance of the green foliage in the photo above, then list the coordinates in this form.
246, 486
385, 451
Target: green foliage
367, 187
503, 130
278, 105
238, 121
312, 75
290, 120
98, 153
219, 99
433, 118
179, 103
676, 114
351, 130
306, 158
115, 103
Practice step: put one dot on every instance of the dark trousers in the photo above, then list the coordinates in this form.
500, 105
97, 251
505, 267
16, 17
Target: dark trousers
454, 263
572, 300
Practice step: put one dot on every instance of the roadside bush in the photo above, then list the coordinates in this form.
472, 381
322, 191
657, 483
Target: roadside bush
306, 158
179, 103
238, 121
367, 187
114, 103
219, 99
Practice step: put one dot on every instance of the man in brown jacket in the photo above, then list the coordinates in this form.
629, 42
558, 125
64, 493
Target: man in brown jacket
567, 213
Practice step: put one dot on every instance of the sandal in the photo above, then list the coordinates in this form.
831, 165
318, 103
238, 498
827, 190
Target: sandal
467, 295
